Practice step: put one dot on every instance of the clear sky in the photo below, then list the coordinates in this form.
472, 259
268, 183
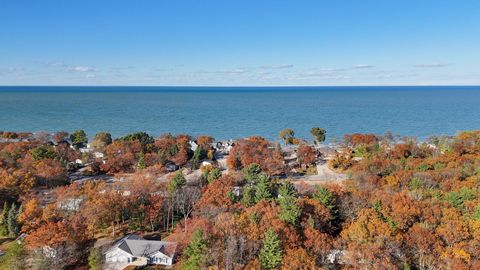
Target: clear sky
242, 42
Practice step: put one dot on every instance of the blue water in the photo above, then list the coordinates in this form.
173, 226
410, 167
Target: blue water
238, 112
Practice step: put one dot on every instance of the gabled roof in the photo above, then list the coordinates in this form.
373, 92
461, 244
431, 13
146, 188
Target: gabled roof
139, 247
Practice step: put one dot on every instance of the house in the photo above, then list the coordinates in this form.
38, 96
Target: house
70, 205
136, 250
193, 145
98, 154
224, 147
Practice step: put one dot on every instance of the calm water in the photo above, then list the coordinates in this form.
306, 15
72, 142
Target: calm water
239, 112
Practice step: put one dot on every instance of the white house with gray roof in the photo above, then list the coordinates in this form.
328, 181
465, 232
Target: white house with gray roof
135, 250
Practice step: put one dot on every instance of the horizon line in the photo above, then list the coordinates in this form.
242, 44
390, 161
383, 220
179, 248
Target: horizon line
246, 86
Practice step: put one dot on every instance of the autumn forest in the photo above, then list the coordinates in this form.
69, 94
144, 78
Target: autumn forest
245, 204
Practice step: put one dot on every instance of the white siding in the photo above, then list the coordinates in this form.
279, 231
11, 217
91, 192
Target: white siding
117, 256
160, 258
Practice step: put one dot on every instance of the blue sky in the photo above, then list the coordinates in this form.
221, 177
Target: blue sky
243, 42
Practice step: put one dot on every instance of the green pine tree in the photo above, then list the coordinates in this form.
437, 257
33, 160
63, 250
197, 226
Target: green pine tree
196, 158
195, 252
289, 210
95, 259
204, 178
287, 189
12, 223
3, 220
271, 252
214, 174
252, 172
287, 198
141, 162
263, 189
177, 182
328, 199
43, 152
19, 212
231, 195
248, 196
79, 138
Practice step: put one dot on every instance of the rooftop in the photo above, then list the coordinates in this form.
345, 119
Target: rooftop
139, 247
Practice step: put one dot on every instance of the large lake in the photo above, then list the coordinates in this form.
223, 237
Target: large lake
230, 112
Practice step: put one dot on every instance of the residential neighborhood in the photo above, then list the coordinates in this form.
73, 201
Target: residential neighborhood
178, 201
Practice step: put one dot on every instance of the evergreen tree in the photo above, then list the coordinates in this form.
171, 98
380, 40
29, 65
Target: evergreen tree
79, 138
287, 189
12, 223
95, 259
263, 190
271, 253
231, 195
3, 220
318, 134
248, 196
177, 182
204, 178
214, 174
195, 252
43, 152
196, 158
141, 162
289, 210
252, 172
144, 138
328, 199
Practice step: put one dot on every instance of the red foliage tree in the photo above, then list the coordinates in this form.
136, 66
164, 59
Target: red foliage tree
121, 156
357, 139
256, 150
306, 154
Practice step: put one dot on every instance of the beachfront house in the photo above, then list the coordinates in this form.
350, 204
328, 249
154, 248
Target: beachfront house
224, 147
136, 250
193, 145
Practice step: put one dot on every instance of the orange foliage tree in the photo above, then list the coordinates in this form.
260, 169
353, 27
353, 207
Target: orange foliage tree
256, 150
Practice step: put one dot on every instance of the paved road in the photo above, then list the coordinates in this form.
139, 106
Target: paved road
324, 175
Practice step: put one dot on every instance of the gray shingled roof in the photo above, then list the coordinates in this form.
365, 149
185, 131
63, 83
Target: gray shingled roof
139, 247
